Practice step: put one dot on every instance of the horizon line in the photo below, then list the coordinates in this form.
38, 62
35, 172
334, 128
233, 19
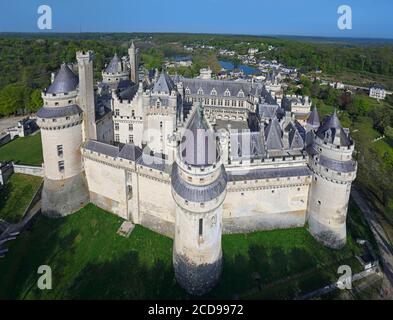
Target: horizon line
198, 33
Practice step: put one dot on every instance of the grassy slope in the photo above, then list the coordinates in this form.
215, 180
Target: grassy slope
27, 150
89, 260
16, 195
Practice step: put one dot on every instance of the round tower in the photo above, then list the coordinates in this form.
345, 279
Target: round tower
115, 71
199, 189
334, 170
60, 119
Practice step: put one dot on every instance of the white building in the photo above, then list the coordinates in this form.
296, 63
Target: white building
377, 91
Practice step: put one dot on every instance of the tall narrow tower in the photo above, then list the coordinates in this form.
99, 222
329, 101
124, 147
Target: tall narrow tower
334, 171
199, 189
86, 94
60, 119
134, 62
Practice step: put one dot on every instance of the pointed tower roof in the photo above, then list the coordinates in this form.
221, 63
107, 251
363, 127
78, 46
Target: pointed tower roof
114, 66
64, 82
164, 83
199, 147
313, 118
273, 135
332, 131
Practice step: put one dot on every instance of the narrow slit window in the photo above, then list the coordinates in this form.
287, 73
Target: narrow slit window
200, 227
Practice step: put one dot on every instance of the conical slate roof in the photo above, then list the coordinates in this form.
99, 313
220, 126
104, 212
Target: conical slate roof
273, 135
198, 147
332, 131
65, 81
313, 118
114, 66
164, 83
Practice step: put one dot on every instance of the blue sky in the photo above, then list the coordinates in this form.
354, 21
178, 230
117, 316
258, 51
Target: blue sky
371, 18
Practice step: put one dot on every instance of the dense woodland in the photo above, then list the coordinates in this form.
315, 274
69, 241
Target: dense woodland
26, 61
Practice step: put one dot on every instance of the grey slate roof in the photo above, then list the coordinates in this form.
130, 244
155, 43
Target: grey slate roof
128, 93
256, 174
198, 146
164, 83
115, 65
267, 111
330, 128
58, 112
102, 148
153, 162
273, 135
340, 166
313, 118
64, 82
130, 152
295, 140
198, 193
246, 145
220, 86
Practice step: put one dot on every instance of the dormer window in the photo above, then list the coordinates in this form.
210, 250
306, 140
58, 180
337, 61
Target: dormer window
200, 91
227, 93
240, 94
214, 92
188, 91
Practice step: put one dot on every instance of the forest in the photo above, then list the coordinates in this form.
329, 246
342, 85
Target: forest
27, 60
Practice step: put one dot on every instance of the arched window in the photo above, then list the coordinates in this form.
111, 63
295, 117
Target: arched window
227, 93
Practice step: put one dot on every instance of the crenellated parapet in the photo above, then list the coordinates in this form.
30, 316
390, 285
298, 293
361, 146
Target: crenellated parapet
334, 170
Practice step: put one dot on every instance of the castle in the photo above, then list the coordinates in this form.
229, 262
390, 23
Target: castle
192, 159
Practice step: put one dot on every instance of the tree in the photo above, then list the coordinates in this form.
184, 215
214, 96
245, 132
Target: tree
11, 99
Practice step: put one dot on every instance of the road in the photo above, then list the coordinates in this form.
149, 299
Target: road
385, 248
9, 122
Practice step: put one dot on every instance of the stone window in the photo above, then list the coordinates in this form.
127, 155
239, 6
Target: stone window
131, 138
117, 112
116, 126
60, 150
117, 137
200, 227
133, 113
200, 92
188, 91
130, 127
61, 166
227, 93
214, 92
241, 94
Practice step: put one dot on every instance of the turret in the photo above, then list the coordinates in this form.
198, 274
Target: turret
134, 62
86, 94
115, 71
334, 171
199, 189
60, 119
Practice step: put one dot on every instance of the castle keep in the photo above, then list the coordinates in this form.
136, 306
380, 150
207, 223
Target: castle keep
192, 159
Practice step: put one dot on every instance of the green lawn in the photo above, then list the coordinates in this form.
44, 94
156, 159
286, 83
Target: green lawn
27, 150
16, 195
89, 260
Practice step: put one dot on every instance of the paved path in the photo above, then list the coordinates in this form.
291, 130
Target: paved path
385, 247
8, 122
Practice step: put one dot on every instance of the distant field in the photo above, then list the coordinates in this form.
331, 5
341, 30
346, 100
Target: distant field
16, 195
89, 260
27, 150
